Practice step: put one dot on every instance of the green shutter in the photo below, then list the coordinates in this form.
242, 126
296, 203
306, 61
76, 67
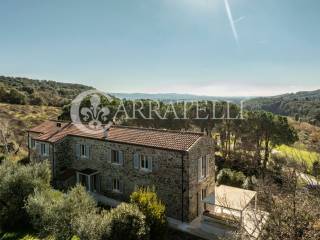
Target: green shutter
120, 157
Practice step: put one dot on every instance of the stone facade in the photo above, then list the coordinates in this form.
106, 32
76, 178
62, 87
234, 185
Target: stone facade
175, 174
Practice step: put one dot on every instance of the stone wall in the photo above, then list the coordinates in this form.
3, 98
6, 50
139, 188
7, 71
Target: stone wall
205, 146
165, 176
179, 196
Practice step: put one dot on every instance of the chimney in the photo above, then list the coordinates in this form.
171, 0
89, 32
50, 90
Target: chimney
58, 124
106, 133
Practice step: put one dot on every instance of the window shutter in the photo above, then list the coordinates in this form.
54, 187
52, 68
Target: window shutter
136, 161
155, 165
150, 163
78, 151
88, 151
29, 143
199, 168
38, 148
109, 155
121, 157
121, 186
46, 149
109, 184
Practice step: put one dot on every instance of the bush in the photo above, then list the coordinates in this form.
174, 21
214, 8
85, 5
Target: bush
93, 226
128, 223
250, 183
228, 177
316, 168
17, 183
154, 210
55, 213
15, 97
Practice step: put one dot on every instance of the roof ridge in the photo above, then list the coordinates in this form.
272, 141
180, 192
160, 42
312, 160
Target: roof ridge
138, 128
58, 130
157, 129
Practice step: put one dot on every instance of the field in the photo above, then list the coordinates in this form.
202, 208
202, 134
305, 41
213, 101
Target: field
19, 118
309, 135
298, 155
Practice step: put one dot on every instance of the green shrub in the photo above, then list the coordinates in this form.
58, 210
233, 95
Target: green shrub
154, 210
250, 183
93, 226
15, 97
128, 222
55, 213
16, 184
228, 177
316, 168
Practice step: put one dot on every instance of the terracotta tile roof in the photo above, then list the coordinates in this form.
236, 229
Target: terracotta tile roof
165, 139
48, 126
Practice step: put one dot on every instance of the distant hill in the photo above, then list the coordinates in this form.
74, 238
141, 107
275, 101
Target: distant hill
167, 97
19, 118
16, 90
301, 105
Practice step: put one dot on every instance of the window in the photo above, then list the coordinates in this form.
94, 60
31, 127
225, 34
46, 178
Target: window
44, 150
203, 196
83, 150
203, 167
116, 185
115, 157
145, 162
203, 193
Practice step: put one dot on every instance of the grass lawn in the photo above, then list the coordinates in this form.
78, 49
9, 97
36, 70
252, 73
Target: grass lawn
298, 155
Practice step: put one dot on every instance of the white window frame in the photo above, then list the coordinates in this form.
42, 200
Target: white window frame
45, 150
203, 193
204, 171
116, 185
83, 151
145, 162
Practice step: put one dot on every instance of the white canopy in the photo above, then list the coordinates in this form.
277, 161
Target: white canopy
230, 197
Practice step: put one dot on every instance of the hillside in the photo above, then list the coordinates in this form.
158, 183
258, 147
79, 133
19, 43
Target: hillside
167, 97
18, 90
19, 118
301, 105
309, 135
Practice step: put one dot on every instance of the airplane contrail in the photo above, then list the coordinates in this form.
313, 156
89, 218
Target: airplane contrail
232, 25
239, 19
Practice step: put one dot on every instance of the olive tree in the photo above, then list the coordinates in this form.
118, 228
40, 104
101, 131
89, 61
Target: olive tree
128, 222
17, 182
56, 213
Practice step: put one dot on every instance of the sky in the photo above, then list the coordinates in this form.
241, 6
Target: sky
203, 47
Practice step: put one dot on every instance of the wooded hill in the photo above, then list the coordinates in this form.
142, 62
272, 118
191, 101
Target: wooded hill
16, 90
301, 105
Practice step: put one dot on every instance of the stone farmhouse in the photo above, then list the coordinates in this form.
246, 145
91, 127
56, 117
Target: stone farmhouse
180, 165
